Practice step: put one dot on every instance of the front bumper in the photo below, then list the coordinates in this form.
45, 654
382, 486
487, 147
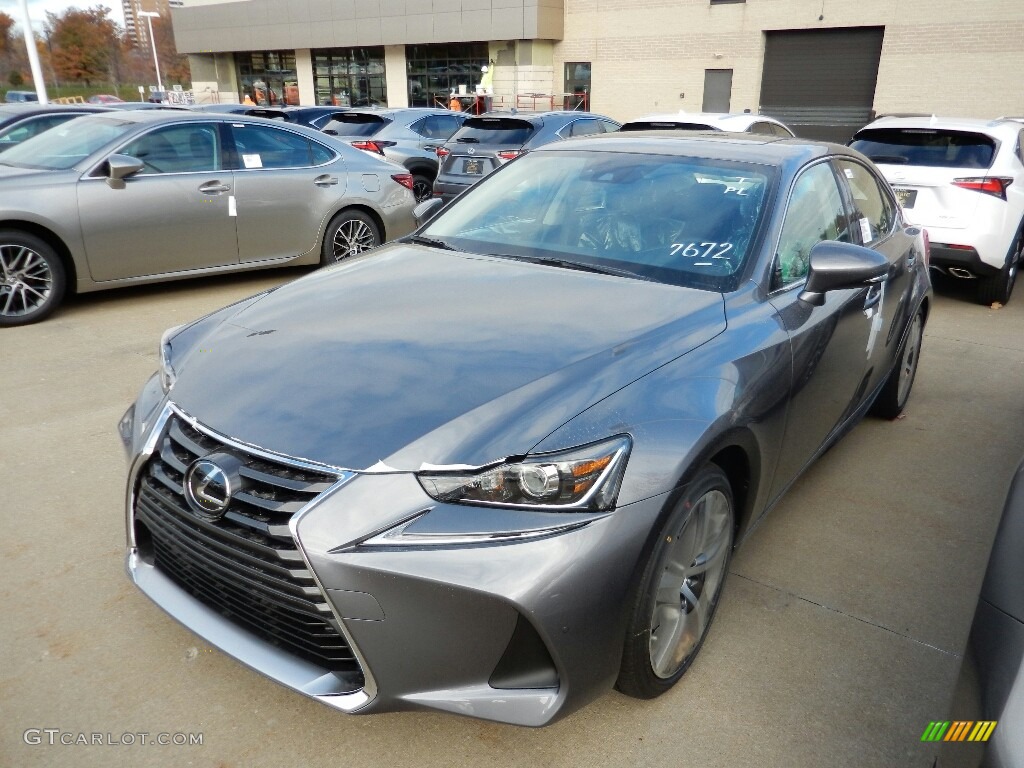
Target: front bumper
521, 632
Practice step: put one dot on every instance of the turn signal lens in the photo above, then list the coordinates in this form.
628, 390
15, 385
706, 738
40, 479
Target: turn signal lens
509, 154
442, 152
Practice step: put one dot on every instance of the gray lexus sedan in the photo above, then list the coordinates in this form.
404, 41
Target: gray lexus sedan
135, 197
499, 466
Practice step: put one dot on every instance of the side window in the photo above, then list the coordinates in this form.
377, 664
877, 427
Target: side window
262, 146
761, 127
445, 126
585, 127
189, 148
422, 127
609, 126
815, 213
321, 154
778, 130
874, 213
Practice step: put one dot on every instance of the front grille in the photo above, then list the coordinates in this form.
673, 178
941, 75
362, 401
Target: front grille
244, 565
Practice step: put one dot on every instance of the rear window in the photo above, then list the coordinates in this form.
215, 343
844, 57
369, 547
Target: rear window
932, 147
661, 125
355, 125
489, 130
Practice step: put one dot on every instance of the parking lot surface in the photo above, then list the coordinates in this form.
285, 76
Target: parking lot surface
837, 641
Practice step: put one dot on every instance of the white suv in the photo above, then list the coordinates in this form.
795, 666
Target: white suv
963, 181
740, 122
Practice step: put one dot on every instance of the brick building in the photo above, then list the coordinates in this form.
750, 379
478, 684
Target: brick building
822, 65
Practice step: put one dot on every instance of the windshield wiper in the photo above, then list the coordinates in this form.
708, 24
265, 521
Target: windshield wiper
888, 159
468, 140
550, 261
431, 241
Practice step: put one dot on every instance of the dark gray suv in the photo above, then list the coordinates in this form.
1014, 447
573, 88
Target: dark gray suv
486, 142
408, 137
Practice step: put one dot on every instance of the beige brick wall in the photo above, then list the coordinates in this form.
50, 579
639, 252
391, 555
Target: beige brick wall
945, 56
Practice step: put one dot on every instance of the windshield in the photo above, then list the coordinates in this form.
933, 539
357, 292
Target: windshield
679, 220
932, 147
66, 145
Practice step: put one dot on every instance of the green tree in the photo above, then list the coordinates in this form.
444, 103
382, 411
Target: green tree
84, 43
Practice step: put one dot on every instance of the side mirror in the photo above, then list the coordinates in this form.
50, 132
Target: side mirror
427, 210
836, 266
119, 167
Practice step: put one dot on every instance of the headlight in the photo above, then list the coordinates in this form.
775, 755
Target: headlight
581, 478
167, 374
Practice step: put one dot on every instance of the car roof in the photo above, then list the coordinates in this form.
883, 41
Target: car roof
535, 117
1000, 128
724, 120
711, 145
396, 111
35, 108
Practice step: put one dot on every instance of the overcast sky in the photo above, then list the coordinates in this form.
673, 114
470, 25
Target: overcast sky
37, 9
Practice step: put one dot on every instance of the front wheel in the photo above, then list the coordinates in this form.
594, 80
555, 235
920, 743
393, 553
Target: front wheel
32, 278
349, 234
679, 588
896, 391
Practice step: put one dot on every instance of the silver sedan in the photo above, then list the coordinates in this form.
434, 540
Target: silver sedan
111, 200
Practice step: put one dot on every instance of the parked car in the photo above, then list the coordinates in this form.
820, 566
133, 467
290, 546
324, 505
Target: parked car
135, 197
17, 97
19, 122
989, 693
409, 137
500, 464
105, 98
963, 180
740, 122
487, 142
312, 117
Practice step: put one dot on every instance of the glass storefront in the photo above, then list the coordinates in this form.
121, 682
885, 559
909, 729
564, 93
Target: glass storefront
267, 78
350, 77
435, 71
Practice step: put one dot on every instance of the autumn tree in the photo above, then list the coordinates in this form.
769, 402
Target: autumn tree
84, 44
173, 65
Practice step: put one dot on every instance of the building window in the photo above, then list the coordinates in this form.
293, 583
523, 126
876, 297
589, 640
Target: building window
268, 78
435, 71
577, 84
350, 77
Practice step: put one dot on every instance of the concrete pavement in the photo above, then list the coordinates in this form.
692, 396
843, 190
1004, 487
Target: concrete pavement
838, 638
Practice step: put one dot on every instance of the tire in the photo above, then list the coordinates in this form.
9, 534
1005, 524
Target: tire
1000, 288
896, 391
32, 278
422, 187
679, 588
349, 234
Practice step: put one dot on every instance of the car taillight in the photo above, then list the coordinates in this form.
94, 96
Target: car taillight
509, 154
405, 179
372, 146
990, 185
442, 152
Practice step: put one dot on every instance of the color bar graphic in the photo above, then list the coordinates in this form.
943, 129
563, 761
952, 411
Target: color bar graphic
959, 730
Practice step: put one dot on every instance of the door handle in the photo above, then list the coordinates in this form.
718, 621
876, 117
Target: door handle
214, 188
326, 180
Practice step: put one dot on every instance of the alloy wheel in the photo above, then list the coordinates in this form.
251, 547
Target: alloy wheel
352, 237
691, 579
26, 281
908, 365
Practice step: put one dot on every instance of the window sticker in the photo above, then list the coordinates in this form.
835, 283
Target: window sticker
252, 161
865, 231
848, 172
702, 250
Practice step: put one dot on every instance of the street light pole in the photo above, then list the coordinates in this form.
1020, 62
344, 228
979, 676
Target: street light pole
33, 54
152, 41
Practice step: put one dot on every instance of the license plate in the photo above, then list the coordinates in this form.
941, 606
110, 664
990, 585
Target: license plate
906, 196
472, 167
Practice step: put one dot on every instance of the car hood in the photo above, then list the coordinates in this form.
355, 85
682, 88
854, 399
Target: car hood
412, 356
10, 175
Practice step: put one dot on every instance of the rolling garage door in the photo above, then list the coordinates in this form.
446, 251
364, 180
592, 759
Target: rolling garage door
821, 82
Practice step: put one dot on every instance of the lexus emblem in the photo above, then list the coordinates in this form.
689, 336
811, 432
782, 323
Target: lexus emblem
471, 151
208, 488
